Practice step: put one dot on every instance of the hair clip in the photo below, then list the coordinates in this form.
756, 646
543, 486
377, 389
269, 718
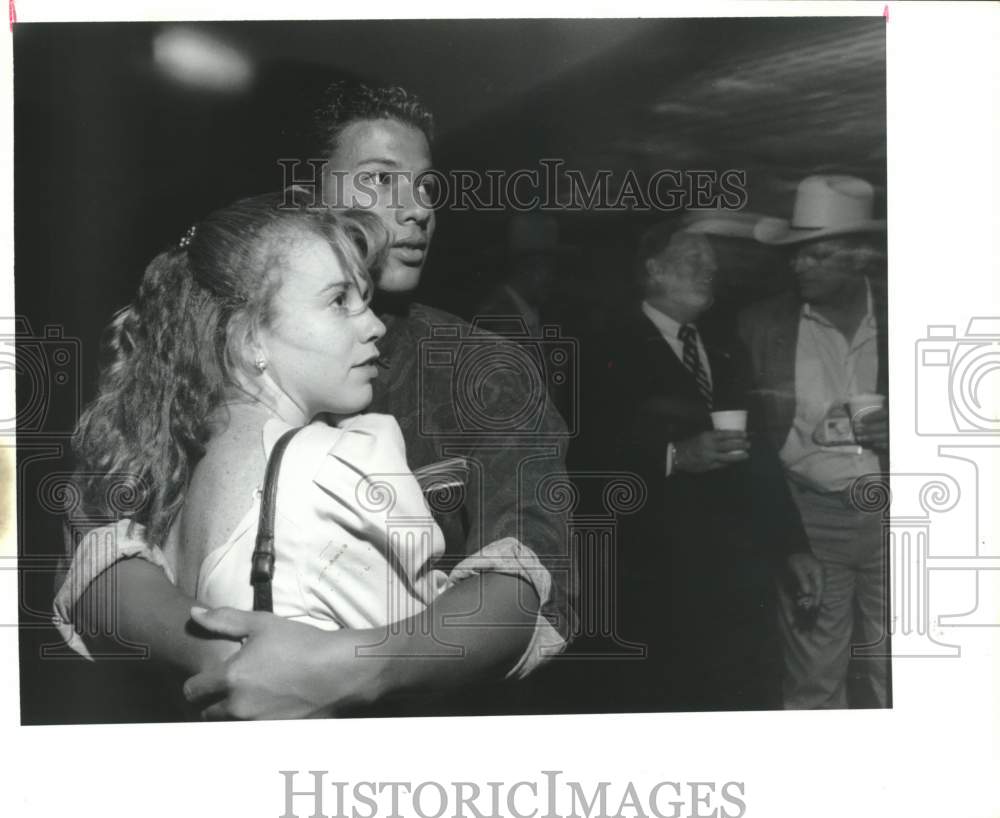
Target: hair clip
185, 240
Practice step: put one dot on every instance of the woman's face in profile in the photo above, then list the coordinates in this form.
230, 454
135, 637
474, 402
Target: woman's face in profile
320, 345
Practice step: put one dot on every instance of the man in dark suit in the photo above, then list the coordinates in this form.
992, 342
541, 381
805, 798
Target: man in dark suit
697, 561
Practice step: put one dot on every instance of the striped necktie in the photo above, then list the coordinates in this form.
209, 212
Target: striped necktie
689, 337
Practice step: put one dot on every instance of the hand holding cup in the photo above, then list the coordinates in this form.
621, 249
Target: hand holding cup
870, 420
733, 420
726, 444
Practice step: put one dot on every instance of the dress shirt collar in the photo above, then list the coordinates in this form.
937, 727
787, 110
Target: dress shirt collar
868, 319
667, 326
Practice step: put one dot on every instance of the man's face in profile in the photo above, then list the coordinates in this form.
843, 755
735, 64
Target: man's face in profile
684, 275
380, 163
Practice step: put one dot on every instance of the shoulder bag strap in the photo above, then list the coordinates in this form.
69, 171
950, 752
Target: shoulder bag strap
262, 567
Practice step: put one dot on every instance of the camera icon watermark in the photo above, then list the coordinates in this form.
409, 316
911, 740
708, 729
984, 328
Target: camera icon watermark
958, 396
497, 380
45, 369
592, 560
76, 556
958, 380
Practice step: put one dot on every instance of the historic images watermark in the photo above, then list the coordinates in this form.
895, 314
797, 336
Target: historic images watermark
551, 186
955, 401
314, 794
46, 368
499, 380
955, 393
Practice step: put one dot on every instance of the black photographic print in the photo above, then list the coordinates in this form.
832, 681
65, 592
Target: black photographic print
538, 369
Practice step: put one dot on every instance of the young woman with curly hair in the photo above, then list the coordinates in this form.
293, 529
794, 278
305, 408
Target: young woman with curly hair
255, 323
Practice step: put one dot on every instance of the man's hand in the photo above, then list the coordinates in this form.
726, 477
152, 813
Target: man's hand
872, 429
212, 650
288, 670
807, 575
710, 450
285, 670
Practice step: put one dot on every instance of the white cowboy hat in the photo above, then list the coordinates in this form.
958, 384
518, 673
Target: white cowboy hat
735, 224
825, 206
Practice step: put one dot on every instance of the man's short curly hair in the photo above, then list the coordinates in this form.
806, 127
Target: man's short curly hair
348, 102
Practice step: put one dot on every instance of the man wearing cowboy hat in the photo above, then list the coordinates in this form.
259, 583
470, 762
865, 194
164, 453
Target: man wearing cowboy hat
814, 353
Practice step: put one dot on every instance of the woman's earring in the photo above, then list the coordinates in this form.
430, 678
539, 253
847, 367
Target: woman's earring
260, 363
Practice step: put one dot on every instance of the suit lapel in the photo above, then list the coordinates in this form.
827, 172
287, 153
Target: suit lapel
665, 367
720, 361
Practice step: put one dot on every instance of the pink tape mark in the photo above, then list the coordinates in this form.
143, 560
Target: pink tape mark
885, 13
12, 12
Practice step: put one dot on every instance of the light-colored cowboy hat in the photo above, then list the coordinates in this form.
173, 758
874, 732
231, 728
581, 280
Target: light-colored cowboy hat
825, 206
736, 224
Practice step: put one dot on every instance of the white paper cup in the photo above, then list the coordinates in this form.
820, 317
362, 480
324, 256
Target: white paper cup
732, 420
862, 405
